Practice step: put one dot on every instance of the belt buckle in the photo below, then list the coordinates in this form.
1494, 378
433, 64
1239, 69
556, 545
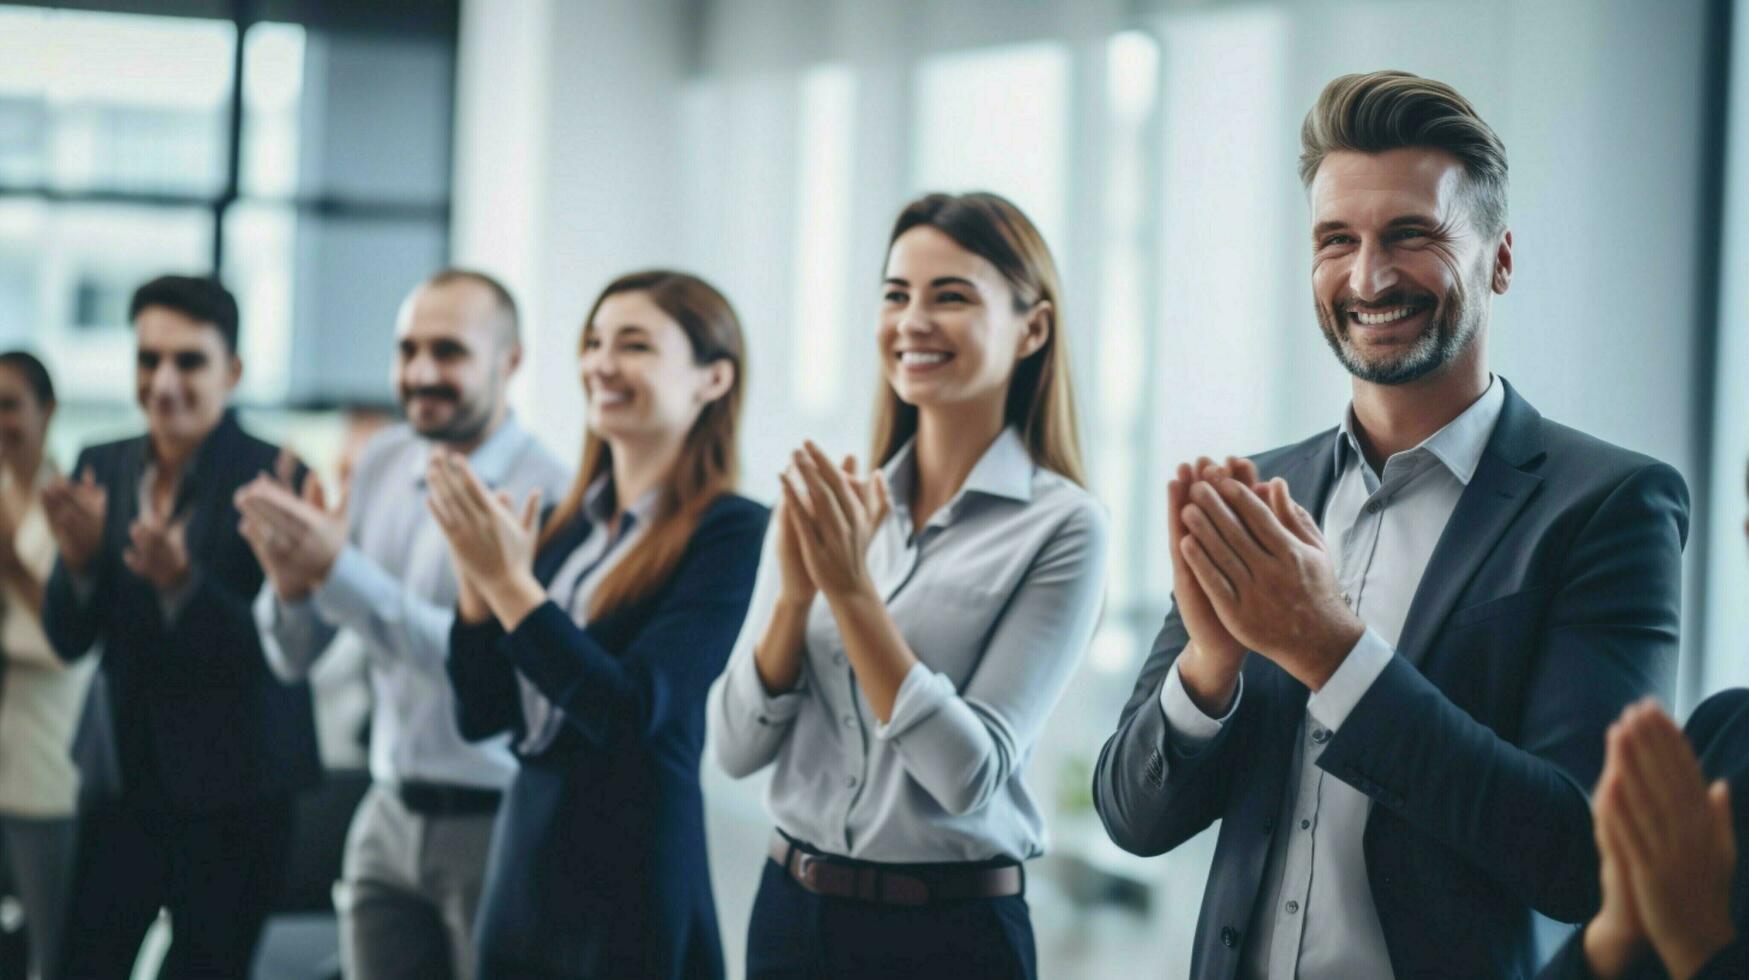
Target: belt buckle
805, 866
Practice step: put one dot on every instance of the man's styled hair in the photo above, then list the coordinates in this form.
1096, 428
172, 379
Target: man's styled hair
1388, 110
197, 297
501, 298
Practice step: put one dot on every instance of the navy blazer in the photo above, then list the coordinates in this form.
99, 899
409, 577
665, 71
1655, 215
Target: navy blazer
1719, 732
1551, 601
598, 866
200, 722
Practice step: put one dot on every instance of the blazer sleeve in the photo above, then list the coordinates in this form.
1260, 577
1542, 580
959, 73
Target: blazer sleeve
1150, 791
1730, 963
668, 668
215, 626
75, 617
1607, 637
483, 679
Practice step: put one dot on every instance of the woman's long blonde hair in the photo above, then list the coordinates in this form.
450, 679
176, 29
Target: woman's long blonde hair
708, 465
1041, 397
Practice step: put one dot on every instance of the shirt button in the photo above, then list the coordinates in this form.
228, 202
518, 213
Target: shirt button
1292, 907
850, 781
1374, 507
1321, 736
1305, 825
849, 721
838, 659
1229, 937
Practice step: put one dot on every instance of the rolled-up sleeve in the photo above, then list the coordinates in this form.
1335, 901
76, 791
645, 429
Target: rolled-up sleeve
748, 724
963, 746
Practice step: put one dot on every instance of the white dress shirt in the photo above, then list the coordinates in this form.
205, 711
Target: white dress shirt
1315, 918
395, 588
997, 596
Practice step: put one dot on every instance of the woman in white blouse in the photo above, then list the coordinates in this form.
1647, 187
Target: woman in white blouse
40, 697
912, 628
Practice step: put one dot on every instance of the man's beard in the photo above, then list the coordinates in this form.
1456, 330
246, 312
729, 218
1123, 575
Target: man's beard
1449, 332
465, 423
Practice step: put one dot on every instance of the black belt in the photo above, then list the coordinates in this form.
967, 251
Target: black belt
444, 800
900, 884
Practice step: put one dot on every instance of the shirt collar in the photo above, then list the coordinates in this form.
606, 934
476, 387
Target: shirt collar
1005, 470
1458, 445
599, 499
491, 460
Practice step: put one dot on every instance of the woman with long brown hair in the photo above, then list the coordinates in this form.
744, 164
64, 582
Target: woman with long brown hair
595, 641
914, 626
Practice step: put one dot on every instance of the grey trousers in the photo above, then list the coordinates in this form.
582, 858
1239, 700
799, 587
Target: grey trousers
409, 887
36, 859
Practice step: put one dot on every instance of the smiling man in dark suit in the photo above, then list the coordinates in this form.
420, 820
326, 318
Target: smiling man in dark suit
211, 747
1395, 646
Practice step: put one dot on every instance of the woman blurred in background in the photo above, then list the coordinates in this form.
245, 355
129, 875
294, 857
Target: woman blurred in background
594, 643
40, 696
914, 626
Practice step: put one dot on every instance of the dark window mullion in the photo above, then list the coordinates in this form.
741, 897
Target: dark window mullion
242, 16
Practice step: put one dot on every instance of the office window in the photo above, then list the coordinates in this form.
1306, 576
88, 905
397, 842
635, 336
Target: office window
100, 102
1117, 405
997, 120
121, 159
821, 308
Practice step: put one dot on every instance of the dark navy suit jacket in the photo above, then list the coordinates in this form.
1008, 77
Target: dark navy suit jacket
1719, 732
199, 721
1551, 601
598, 866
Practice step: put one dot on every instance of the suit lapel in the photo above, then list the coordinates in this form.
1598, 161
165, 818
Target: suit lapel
124, 501
1310, 477
552, 557
1500, 488
194, 495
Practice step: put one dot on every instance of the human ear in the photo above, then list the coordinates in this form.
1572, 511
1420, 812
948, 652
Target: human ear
1040, 321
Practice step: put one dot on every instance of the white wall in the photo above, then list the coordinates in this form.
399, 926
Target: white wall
568, 164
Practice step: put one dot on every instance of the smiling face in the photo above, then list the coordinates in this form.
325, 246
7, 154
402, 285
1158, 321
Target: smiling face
454, 355
950, 333
641, 377
1401, 273
24, 421
183, 374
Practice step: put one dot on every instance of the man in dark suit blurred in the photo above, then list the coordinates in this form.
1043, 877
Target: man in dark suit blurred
152, 570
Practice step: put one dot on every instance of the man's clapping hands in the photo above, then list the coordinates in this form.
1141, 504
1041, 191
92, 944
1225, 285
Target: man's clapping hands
1251, 572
